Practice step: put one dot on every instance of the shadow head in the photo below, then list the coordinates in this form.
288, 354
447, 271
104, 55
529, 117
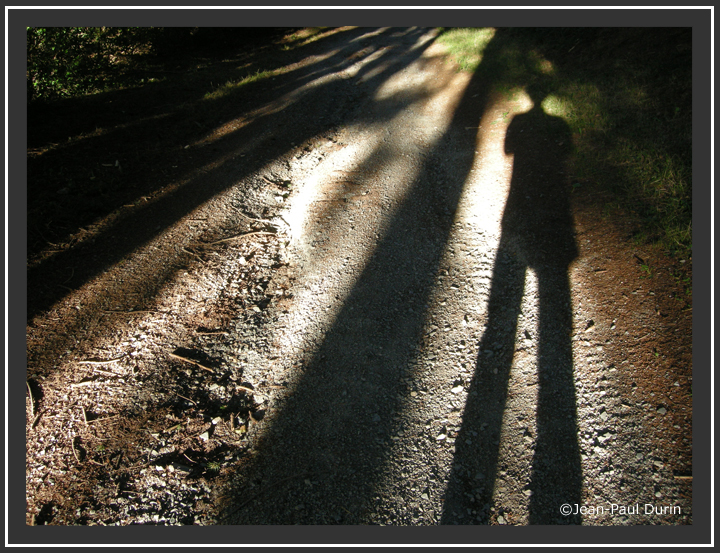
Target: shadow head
538, 90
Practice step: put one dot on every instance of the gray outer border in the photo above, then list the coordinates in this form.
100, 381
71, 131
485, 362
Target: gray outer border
700, 19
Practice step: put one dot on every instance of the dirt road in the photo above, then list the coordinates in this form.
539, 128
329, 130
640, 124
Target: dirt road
424, 326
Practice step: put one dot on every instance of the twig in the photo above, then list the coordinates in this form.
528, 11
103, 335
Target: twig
186, 398
193, 254
105, 372
103, 420
237, 237
101, 361
72, 443
79, 384
37, 418
268, 181
210, 332
188, 458
253, 219
84, 415
175, 356
126, 312
32, 401
176, 426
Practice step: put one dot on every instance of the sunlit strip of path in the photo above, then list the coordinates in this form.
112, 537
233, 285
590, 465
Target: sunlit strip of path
352, 351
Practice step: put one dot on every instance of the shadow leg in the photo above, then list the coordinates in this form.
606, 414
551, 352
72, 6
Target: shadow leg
469, 494
556, 472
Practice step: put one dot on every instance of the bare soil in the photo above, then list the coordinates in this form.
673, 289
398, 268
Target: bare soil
351, 293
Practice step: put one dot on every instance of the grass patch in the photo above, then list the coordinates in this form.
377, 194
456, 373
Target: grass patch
233, 86
466, 46
303, 37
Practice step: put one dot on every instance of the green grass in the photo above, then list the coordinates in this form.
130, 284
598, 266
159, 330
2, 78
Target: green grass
466, 46
303, 37
233, 86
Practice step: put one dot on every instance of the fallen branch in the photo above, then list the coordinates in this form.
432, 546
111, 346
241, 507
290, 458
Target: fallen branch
253, 219
237, 237
72, 443
175, 356
79, 384
37, 418
32, 401
105, 372
126, 312
185, 398
193, 254
101, 361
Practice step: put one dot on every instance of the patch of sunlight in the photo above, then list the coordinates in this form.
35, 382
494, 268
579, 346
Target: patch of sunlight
541, 65
557, 106
466, 45
309, 35
370, 34
233, 86
270, 108
483, 199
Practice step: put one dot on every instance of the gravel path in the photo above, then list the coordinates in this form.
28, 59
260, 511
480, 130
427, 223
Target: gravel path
428, 338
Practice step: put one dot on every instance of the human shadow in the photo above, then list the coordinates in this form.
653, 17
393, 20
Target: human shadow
537, 233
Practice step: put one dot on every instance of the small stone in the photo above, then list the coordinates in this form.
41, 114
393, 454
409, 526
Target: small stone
457, 389
440, 438
205, 436
501, 519
662, 410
